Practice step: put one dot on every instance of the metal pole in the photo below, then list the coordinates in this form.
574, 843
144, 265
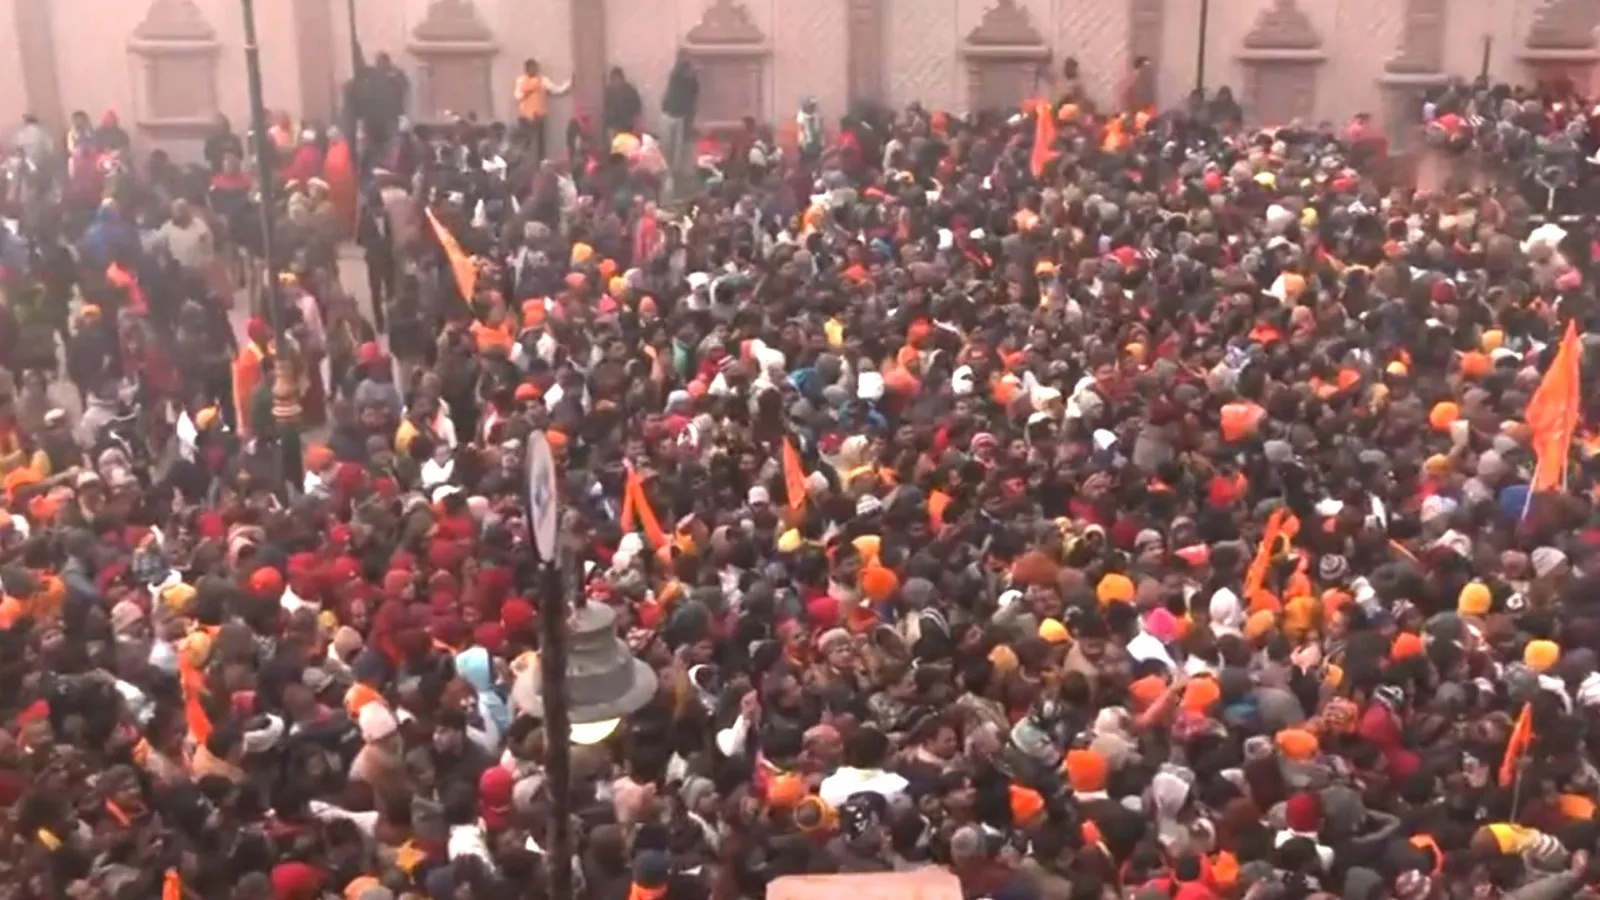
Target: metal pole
557, 729
1200, 48
285, 408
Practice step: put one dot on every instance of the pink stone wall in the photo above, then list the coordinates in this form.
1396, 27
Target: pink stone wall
166, 66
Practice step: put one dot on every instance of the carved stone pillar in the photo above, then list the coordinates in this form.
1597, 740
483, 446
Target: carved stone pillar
1008, 61
589, 55
1418, 64
1560, 41
36, 46
868, 50
176, 89
455, 55
1283, 60
316, 46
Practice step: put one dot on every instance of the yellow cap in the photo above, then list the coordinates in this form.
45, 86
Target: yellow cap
1054, 632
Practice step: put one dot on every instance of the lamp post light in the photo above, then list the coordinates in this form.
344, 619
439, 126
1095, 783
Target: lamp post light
587, 679
586, 683
285, 368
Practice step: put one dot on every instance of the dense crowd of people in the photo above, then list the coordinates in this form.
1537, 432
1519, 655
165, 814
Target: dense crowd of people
1090, 500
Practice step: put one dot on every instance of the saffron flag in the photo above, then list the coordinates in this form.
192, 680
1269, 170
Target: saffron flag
794, 477
1255, 578
463, 266
1553, 413
636, 506
1521, 740
1044, 137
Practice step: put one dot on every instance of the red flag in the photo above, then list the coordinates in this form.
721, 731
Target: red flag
1553, 413
1521, 740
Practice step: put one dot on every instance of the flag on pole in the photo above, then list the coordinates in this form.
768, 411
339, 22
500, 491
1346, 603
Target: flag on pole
1255, 578
464, 267
636, 510
1521, 740
1044, 137
1553, 413
794, 476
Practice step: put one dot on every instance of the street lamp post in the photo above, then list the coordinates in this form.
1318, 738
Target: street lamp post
587, 680
285, 380
1200, 49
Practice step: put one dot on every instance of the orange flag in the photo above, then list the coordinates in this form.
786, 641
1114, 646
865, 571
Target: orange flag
635, 505
1521, 740
1255, 577
172, 886
465, 269
1553, 413
1044, 137
794, 477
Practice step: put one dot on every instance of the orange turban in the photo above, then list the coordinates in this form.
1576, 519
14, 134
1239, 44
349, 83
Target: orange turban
1087, 771
786, 791
1297, 744
1260, 624
1114, 587
1026, 804
318, 457
1200, 694
1476, 365
878, 583
1147, 690
18, 479
1443, 415
1300, 617
533, 313
1406, 645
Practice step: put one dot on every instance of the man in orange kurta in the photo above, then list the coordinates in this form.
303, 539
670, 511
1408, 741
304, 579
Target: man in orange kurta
248, 368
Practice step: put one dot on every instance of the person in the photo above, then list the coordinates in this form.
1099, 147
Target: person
1161, 508
679, 103
622, 104
533, 92
382, 98
34, 141
220, 142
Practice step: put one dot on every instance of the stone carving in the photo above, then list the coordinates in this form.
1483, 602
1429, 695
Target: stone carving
731, 52
176, 21
1422, 37
454, 51
1564, 25
1277, 94
1283, 26
1005, 25
177, 49
868, 49
725, 22
452, 22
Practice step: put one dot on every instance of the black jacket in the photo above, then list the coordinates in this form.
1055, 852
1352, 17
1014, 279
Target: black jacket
683, 92
622, 106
